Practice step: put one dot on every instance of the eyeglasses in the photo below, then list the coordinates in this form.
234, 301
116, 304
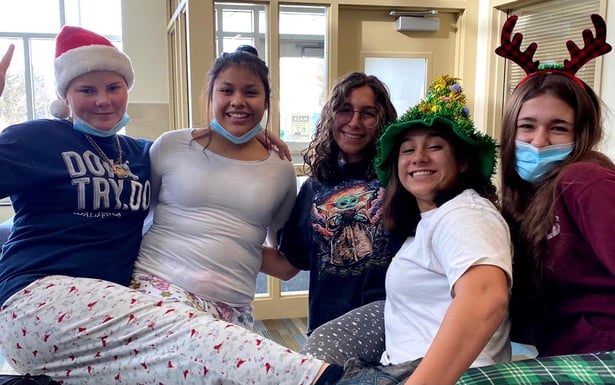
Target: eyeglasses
368, 117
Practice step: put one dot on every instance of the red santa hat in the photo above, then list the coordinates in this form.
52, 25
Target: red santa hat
79, 51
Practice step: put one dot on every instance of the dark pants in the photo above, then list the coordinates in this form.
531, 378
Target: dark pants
357, 372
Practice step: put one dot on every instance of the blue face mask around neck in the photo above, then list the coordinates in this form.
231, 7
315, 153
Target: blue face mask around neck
533, 164
82, 126
214, 125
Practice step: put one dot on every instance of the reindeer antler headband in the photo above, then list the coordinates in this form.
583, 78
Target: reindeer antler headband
594, 47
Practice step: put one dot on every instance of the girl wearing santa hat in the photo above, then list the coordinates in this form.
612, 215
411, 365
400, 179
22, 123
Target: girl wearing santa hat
80, 193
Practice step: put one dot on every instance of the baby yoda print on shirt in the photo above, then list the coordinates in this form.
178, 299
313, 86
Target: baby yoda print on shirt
347, 221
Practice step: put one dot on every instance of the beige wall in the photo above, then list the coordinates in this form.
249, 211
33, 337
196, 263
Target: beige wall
372, 31
145, 41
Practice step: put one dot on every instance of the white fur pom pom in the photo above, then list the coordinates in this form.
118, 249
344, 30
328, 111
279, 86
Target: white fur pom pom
59, 109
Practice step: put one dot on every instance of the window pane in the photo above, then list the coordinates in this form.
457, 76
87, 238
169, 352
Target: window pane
303, 74
104, 17
40, 16
262, 22
43, 81
299, 111
236, 20
295, 19
30, 79
231, 43
405, 78
13, 107
237, 24
299, 283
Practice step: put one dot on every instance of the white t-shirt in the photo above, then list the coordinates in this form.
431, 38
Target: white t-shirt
212, 217
467, 230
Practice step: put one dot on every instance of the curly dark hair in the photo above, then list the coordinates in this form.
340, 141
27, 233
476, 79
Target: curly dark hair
322, 155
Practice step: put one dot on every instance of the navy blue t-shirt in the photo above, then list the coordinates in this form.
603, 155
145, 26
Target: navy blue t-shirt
336, 232
72, 215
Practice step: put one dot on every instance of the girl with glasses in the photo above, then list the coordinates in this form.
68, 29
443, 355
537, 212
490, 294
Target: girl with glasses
335, 228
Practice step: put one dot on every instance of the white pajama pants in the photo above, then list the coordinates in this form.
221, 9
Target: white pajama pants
88, 331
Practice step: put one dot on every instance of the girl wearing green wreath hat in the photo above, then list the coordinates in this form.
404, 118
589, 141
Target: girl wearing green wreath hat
448, 286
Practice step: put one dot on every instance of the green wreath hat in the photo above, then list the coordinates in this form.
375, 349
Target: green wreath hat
444, 106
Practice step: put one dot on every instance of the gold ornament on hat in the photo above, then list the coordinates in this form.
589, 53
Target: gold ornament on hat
444, 106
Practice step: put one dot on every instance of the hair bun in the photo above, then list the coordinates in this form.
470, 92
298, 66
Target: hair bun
247, 48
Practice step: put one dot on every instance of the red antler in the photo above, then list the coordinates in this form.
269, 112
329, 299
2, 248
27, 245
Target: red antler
593, 48
511, 48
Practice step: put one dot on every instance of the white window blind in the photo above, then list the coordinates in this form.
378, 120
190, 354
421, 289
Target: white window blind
551, 24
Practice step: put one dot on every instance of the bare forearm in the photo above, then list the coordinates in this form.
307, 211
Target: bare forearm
456, 346
470, 322
275, 264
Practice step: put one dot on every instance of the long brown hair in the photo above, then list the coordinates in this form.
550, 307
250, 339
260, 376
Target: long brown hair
322, 154
529, 209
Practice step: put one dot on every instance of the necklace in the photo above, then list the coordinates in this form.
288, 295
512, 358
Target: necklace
116, 168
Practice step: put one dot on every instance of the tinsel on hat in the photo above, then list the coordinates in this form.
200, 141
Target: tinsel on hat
444, 105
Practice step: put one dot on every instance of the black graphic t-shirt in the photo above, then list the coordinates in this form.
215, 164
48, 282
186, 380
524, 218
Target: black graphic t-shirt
336, 232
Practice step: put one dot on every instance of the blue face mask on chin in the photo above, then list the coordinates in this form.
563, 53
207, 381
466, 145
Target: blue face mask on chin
533, 164
82, 126
214, 125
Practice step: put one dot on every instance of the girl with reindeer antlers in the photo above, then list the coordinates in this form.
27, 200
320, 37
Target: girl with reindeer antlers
558, 197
